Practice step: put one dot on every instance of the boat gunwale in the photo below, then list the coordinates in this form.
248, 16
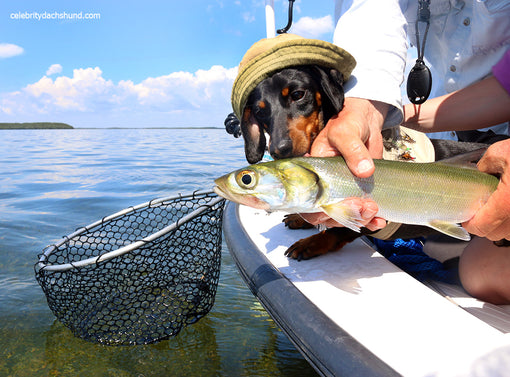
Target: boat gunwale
334, 352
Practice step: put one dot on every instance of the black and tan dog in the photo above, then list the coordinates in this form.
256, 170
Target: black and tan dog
292, 107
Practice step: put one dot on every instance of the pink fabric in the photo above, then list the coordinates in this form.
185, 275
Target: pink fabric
502, 71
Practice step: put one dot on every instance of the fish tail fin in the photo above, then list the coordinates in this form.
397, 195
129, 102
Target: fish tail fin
450, 229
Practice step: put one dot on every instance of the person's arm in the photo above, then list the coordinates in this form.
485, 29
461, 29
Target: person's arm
374, 32
483, 104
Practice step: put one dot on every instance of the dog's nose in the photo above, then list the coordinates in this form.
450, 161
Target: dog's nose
282, 149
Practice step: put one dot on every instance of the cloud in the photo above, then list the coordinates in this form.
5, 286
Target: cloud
69, 93
313, 28
8, 50
248, 17
179, 98
54, 69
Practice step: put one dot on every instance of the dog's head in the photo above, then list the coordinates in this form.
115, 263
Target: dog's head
287, 87
292, 107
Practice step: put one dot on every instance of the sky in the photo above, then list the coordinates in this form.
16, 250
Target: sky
151, 63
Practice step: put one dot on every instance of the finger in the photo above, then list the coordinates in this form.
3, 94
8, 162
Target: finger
493, 228
321, 146
374, 145
347, 141
368, 213
500, 233
369, 209
376, 223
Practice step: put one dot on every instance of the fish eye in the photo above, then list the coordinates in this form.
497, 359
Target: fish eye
246, 179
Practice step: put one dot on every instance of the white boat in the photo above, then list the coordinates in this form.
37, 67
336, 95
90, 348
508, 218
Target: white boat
354, 313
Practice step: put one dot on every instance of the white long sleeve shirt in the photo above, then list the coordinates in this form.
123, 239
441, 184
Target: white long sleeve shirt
465, 39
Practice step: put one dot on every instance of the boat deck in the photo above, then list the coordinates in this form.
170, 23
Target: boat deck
395, 319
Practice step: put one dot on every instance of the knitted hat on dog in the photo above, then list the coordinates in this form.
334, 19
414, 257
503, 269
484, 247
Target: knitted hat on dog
270, 55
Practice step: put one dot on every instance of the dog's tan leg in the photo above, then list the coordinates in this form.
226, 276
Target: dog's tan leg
332, 239
295, 221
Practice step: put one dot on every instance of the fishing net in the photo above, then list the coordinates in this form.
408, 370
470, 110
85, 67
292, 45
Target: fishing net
137, 276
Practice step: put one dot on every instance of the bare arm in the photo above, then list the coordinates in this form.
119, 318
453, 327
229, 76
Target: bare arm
483, 104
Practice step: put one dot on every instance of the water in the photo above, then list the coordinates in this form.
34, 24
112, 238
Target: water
54, 181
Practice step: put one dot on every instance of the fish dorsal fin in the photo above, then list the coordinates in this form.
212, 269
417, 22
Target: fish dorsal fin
345, 213
465, 160
450, 229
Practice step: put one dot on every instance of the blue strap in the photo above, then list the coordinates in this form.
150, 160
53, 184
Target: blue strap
408, 255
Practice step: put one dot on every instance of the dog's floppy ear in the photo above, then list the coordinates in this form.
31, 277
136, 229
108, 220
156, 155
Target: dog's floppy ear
254, 138
331, 83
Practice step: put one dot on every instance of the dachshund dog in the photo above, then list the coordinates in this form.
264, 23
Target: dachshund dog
292, 107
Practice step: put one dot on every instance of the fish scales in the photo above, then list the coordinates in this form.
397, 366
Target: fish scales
410, 193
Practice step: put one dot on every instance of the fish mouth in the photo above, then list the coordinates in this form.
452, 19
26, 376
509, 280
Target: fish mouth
245, 199
222, 190
218, 190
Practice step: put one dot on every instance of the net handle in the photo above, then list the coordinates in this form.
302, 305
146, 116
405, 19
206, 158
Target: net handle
132, 246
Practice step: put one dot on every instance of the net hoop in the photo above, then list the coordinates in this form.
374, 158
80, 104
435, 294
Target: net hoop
125, 249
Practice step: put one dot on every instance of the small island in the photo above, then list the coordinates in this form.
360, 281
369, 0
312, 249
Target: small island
35, 125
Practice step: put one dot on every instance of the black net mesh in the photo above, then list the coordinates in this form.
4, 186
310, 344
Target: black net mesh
146, 294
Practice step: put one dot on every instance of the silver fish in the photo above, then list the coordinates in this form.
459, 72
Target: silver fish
436, 194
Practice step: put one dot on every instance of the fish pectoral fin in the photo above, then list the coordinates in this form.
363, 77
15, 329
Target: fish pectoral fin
450, 229
345, 213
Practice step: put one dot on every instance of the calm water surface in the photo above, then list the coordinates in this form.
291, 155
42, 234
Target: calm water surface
54, 181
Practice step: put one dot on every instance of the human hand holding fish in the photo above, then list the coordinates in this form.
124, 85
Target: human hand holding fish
493, 219
355, 134
367, 208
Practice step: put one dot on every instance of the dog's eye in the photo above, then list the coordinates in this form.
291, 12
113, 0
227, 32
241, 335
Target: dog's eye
296, 95
246, 179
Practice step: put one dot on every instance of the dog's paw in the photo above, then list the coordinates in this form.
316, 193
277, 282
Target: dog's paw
332, 239
309, 247
295, 221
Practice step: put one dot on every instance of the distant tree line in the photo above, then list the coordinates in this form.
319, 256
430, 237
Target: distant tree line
37, 125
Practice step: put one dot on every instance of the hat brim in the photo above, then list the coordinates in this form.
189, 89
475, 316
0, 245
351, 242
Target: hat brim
286, 54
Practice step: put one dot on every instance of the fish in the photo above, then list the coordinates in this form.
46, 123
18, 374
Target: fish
438, 195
